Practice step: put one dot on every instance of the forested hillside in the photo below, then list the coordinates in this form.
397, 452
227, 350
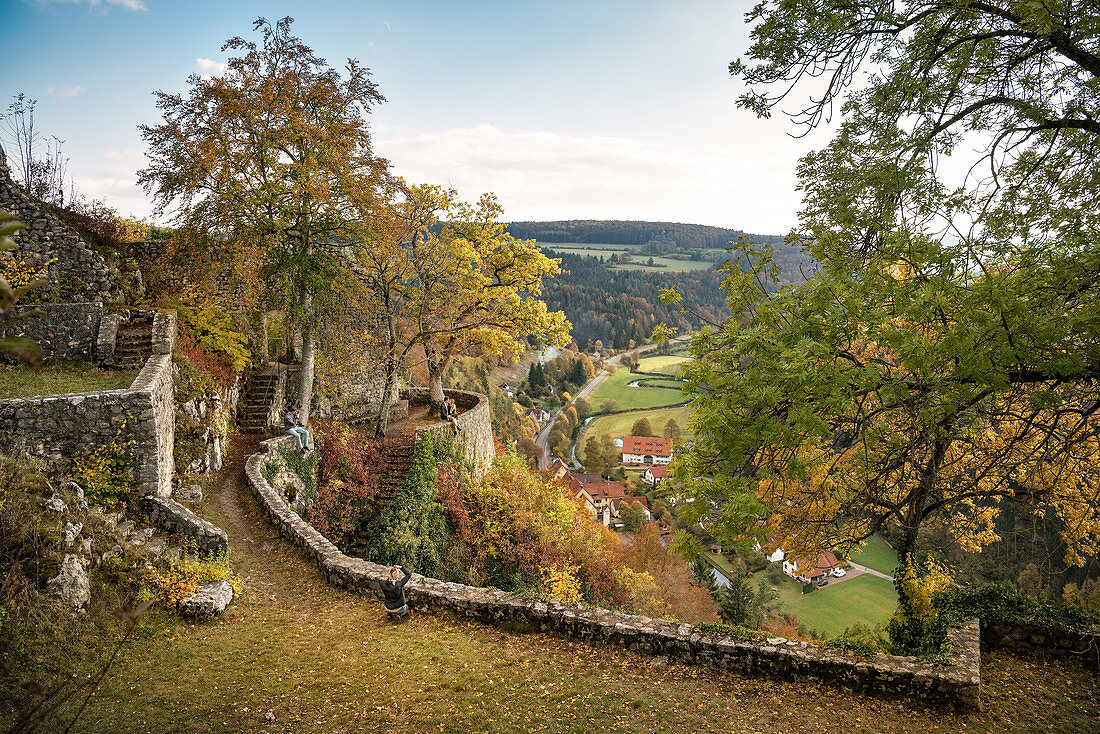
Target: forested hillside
687, 236
619, 306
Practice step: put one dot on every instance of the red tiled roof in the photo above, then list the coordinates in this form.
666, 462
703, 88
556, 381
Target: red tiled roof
642, 445
822, 565
658, 472
605, 490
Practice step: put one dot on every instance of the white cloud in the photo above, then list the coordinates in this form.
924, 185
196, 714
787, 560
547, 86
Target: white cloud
208, 67
387, 24
93, 4
541, 175
63, 92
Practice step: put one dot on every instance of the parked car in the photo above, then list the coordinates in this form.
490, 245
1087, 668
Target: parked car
822, 582
838, 572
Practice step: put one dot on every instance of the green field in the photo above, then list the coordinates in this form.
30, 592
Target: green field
666, 363
618, 425
877, 555
617, 387
596, 249
830, 610
665, 264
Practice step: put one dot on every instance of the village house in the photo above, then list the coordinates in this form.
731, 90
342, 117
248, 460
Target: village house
646, 450
809, 572
507, 389
540, 415
655, 475
770, 548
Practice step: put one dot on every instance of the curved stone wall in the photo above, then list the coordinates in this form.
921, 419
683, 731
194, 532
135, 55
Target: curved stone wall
956, 685
474, 420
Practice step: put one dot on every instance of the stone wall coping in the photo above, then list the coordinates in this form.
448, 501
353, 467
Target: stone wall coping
956, 685
171, 515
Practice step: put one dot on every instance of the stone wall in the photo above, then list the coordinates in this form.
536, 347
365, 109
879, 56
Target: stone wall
68, 331
473, 419
77, 269
172, 516
1029, 640
62, 427
956, 685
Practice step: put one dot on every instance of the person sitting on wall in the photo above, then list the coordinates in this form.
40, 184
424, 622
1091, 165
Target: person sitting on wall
294, 428
449, 412
393, 593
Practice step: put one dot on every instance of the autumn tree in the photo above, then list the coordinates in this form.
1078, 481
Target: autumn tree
267, 165
942, 361
633, 516
672, 431
477, 287
641, 427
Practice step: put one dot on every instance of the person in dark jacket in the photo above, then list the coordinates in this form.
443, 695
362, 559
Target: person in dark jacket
448, 411
294, 428
393, 592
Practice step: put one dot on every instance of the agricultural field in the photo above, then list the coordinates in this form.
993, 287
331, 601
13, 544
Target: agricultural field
665, 264
606, 250
618, 425
617, 387
666, 363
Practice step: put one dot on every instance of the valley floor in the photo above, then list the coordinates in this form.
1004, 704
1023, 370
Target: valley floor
322, 660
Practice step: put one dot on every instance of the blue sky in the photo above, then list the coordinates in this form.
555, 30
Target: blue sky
566, 110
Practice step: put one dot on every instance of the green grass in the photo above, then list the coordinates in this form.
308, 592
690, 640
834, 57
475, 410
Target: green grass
323, 660
666, 363
830, 610
664, 264
57, 378
616, 387
619, 425
878, 555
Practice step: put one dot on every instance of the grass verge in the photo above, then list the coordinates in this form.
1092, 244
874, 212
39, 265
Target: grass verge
57, 378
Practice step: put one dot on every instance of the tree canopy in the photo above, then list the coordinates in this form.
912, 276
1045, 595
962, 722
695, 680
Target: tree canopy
943, 359
269, 167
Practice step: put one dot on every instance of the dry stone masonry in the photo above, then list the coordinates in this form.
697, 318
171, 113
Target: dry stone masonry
170, 515
474, 420
76, 268
955, 685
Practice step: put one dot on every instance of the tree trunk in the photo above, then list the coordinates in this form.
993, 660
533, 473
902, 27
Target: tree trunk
305, 386
435, 375
390, 367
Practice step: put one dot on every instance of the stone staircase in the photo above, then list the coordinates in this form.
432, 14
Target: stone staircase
256, 403
395, 465
134, 343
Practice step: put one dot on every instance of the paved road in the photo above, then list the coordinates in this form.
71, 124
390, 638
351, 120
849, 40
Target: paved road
543, 439
871, 571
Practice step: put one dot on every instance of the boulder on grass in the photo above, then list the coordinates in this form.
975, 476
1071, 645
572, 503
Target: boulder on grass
71, 585
211, 599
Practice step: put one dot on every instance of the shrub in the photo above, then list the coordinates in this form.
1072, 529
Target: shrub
1005, 603
917, 626
560, 582
107, 474
180, 579
862, 640
346, 482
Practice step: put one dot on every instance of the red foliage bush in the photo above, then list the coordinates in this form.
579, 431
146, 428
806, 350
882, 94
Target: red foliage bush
216, 366
347, 481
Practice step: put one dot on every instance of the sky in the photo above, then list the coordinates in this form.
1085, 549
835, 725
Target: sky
565, 110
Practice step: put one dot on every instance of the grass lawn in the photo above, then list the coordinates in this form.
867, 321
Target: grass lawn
57, 378
619, 425
878, 555
616, 387
830, 610
323, 660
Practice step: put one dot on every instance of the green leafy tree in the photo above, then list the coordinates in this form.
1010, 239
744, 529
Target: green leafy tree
735, 601
269, 166
942, 360
633, 516
704, 574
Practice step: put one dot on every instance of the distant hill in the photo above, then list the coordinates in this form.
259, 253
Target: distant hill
686, 236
